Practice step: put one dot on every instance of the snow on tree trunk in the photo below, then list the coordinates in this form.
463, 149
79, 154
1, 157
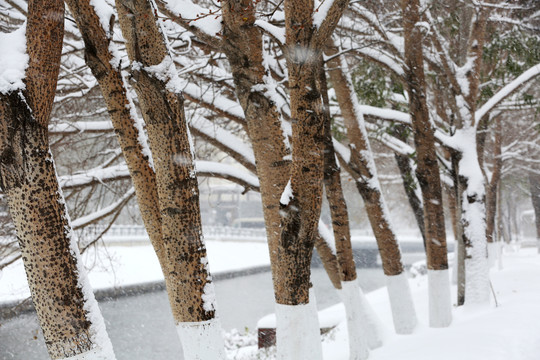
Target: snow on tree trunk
473, 219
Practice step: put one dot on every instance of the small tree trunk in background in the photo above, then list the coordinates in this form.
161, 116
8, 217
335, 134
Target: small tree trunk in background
410, 182
191, 291
362, 323
491, 194
410, 186
427, 171
460, 251
67, 310
534, 183
362, 168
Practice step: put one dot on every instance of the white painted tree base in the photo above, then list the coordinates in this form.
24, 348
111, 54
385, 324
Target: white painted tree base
298, 335
403, 312
94, 354
440, 303
493, 253
363, 332
202, 340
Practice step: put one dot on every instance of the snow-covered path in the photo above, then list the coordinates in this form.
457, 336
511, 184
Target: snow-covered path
510, 331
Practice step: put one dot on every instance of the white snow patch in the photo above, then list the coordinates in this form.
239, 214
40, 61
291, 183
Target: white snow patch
13, 60
104, 12
209, 297
205, 20
287, 195
321, 11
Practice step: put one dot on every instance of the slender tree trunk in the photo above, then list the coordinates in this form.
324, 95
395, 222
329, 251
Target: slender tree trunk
191, 291
460, 251
470, 177
427, 171
491, 194
534, 182
122, 112
362, 168
410, 183
67, 310
361, 321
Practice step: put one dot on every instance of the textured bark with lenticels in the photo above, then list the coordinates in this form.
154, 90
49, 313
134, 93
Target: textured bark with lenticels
64, 303
177, 189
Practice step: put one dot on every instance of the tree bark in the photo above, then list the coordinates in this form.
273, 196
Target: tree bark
427, 170
410, 184
122, 113
492, 192
242, 44
190, 289
362, 167
64, 302
534, 182
334, 192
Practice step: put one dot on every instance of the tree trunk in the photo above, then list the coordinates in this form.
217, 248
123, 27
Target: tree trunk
67, 310
361, 321
491, 194
122, 112
427, 171
242, 44
410, 183
191, 291
534, 182
362, 168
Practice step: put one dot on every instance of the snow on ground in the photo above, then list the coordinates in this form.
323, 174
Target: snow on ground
116, 266
510, 331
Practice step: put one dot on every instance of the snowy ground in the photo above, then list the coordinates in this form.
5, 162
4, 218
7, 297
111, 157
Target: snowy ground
508, 331
116, 266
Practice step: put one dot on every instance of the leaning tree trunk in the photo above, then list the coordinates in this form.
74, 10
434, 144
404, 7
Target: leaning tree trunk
427, 171
67, 310
105, 67
362, 323
190, 289
362, 168
491, 194
410, 182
